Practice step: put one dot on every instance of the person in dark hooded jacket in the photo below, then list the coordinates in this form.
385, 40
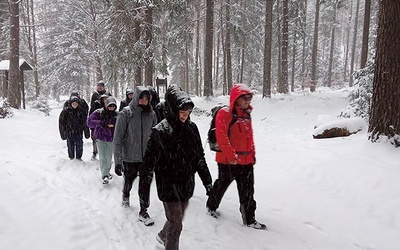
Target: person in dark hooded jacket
160, 107
154, 100
72, 124
131, 134
128, 99
175, 153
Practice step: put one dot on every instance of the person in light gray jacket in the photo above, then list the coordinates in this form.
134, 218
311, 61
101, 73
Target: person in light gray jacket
132, 132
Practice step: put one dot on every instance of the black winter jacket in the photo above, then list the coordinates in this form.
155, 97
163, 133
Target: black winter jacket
175, 153
72, 121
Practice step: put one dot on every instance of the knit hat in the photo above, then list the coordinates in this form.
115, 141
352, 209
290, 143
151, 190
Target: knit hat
100, 83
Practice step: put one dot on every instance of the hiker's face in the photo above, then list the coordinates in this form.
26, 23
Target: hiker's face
244, 101
184, 114
100, 88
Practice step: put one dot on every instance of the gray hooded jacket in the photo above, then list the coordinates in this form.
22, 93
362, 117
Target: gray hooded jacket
132, 130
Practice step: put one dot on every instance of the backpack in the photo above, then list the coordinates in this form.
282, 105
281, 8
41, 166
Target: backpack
211, 138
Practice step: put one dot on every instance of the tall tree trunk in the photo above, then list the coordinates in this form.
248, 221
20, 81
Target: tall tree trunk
14, 95
224, 68
364, 48
228, 47
347, 47
283, 84
186, 73
34, 51
353, 49
294, 48
332, 48
279, 45
197, 49
208, 86
148, 75
267, 49
138, 70
314, 55
304, 44
385, 108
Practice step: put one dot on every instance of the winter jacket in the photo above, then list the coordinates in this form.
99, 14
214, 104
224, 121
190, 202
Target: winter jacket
72, 121
99, 121
239, 145
133, 129
155, 99
127, 100
95, 101
175, 153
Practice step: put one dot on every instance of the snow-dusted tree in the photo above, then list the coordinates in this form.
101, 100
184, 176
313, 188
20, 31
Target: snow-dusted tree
385, 108
72, 38
361, 96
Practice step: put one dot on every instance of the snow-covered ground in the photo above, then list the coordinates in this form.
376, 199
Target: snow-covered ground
340, 193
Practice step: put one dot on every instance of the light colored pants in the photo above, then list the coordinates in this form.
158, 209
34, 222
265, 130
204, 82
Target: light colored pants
106, 150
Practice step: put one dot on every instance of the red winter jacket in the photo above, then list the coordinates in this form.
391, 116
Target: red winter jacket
239, 145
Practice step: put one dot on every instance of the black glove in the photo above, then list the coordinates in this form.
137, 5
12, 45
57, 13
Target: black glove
209, 188
118, 169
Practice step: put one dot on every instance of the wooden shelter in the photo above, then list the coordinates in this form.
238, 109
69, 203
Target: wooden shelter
23, 65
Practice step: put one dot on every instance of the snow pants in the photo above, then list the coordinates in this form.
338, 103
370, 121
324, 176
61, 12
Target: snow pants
244, 176
174, 212
106, 150
75, 145
130, 172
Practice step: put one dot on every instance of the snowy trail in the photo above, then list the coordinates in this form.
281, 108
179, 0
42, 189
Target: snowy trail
340, 193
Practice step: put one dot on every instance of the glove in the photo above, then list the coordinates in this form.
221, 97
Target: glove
209, 188
118, 169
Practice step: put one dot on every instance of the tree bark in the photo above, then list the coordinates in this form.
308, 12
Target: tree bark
283, 83
228, 47
14, 95
314, 57
385, 108
353, 49
148, 75
267, 49
332, 49
364, 47
208, 90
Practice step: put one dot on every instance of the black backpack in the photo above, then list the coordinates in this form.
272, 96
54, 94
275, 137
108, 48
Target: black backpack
211, 138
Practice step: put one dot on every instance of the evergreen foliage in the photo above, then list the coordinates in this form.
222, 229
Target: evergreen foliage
361, 96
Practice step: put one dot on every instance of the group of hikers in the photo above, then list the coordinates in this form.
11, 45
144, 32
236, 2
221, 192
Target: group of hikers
148, 137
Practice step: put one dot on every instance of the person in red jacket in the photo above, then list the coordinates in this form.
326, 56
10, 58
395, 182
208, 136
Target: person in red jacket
237, 156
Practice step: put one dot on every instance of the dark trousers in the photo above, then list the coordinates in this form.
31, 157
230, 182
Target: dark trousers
75, 145
244, 176
93, 142
131, 170
174, 211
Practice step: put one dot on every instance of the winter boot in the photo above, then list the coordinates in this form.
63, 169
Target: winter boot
125, 201
257, 225
160, 239
145, 218
105, 180
212, 213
